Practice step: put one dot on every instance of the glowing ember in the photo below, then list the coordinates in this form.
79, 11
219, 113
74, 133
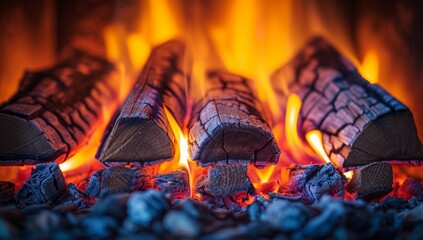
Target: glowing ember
314, 138
349, 174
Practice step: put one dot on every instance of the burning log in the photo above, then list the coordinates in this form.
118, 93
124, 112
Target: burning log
311, 182
175, 183
372, 181
141, 133
227, 125
45, 185
361, 123
226, 180
55, 111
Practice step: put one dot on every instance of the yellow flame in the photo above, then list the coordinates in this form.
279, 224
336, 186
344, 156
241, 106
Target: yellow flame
349, 174
291, 120
370, 67
314, 138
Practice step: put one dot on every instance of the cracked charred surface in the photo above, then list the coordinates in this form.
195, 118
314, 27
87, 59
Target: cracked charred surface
227, 124
141, 133
360, 122
55, 111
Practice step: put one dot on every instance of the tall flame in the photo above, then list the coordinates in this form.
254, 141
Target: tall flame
370, 67
291, 121
314, 138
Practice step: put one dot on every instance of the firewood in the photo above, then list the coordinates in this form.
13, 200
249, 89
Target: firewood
55, 111
311, 182
175, 183
119, 179
226, 180
141, 133
372, 181
411, 187
45, 185
228, 125
360, 122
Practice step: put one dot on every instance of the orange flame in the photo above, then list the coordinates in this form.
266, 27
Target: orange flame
349, 175
370, 67
314, 138
291, 121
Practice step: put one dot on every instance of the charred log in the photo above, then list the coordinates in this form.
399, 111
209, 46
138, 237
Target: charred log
372, 181
227, 124
361, 123
226, 180
141, 133
55, 111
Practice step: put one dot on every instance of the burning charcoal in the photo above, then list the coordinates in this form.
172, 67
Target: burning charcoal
228, 124
286, 216
145, 207
226, 180
102, 227
142, 133
314, 181
114, 205
416, 215
94, 185
372, 181
275, 195
197, 210
175, 183
394, 203
77, 193
45, 224
181, 224
121, 180
55, 111
7, 192
44, 186
415, 201
255, 230
323, 225
356, 118
411, 187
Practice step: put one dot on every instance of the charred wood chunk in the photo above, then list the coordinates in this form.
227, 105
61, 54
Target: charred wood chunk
175, 183
94, 185
119, 179
45, 185
227, 124
141, 133
372, 181
311, 182
55, 111
361, 123
7, 192
411, 187
226, 180
146, 207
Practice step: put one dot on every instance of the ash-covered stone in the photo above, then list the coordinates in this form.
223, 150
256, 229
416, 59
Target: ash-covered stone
311, 182
118, 179
175, 183
180, 224
7, 192
286, 216
94, 185
145, 207
44, 186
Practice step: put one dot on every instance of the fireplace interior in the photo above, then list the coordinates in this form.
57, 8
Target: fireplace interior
238, 119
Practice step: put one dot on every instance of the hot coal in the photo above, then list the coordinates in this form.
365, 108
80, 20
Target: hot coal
411, 187
175, 183
118, 179
7, 192
311, 182
151, 215
45, 186
372, 181
94, 185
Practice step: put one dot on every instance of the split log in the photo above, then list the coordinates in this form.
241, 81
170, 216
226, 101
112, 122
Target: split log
226, 180
55, 111
372, 181
311, 182
141, 133
227, 125
361, 123
175, 183
45, 186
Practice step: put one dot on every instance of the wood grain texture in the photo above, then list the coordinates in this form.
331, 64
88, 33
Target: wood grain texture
360, 122
55, 111
142, 134
226, 125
